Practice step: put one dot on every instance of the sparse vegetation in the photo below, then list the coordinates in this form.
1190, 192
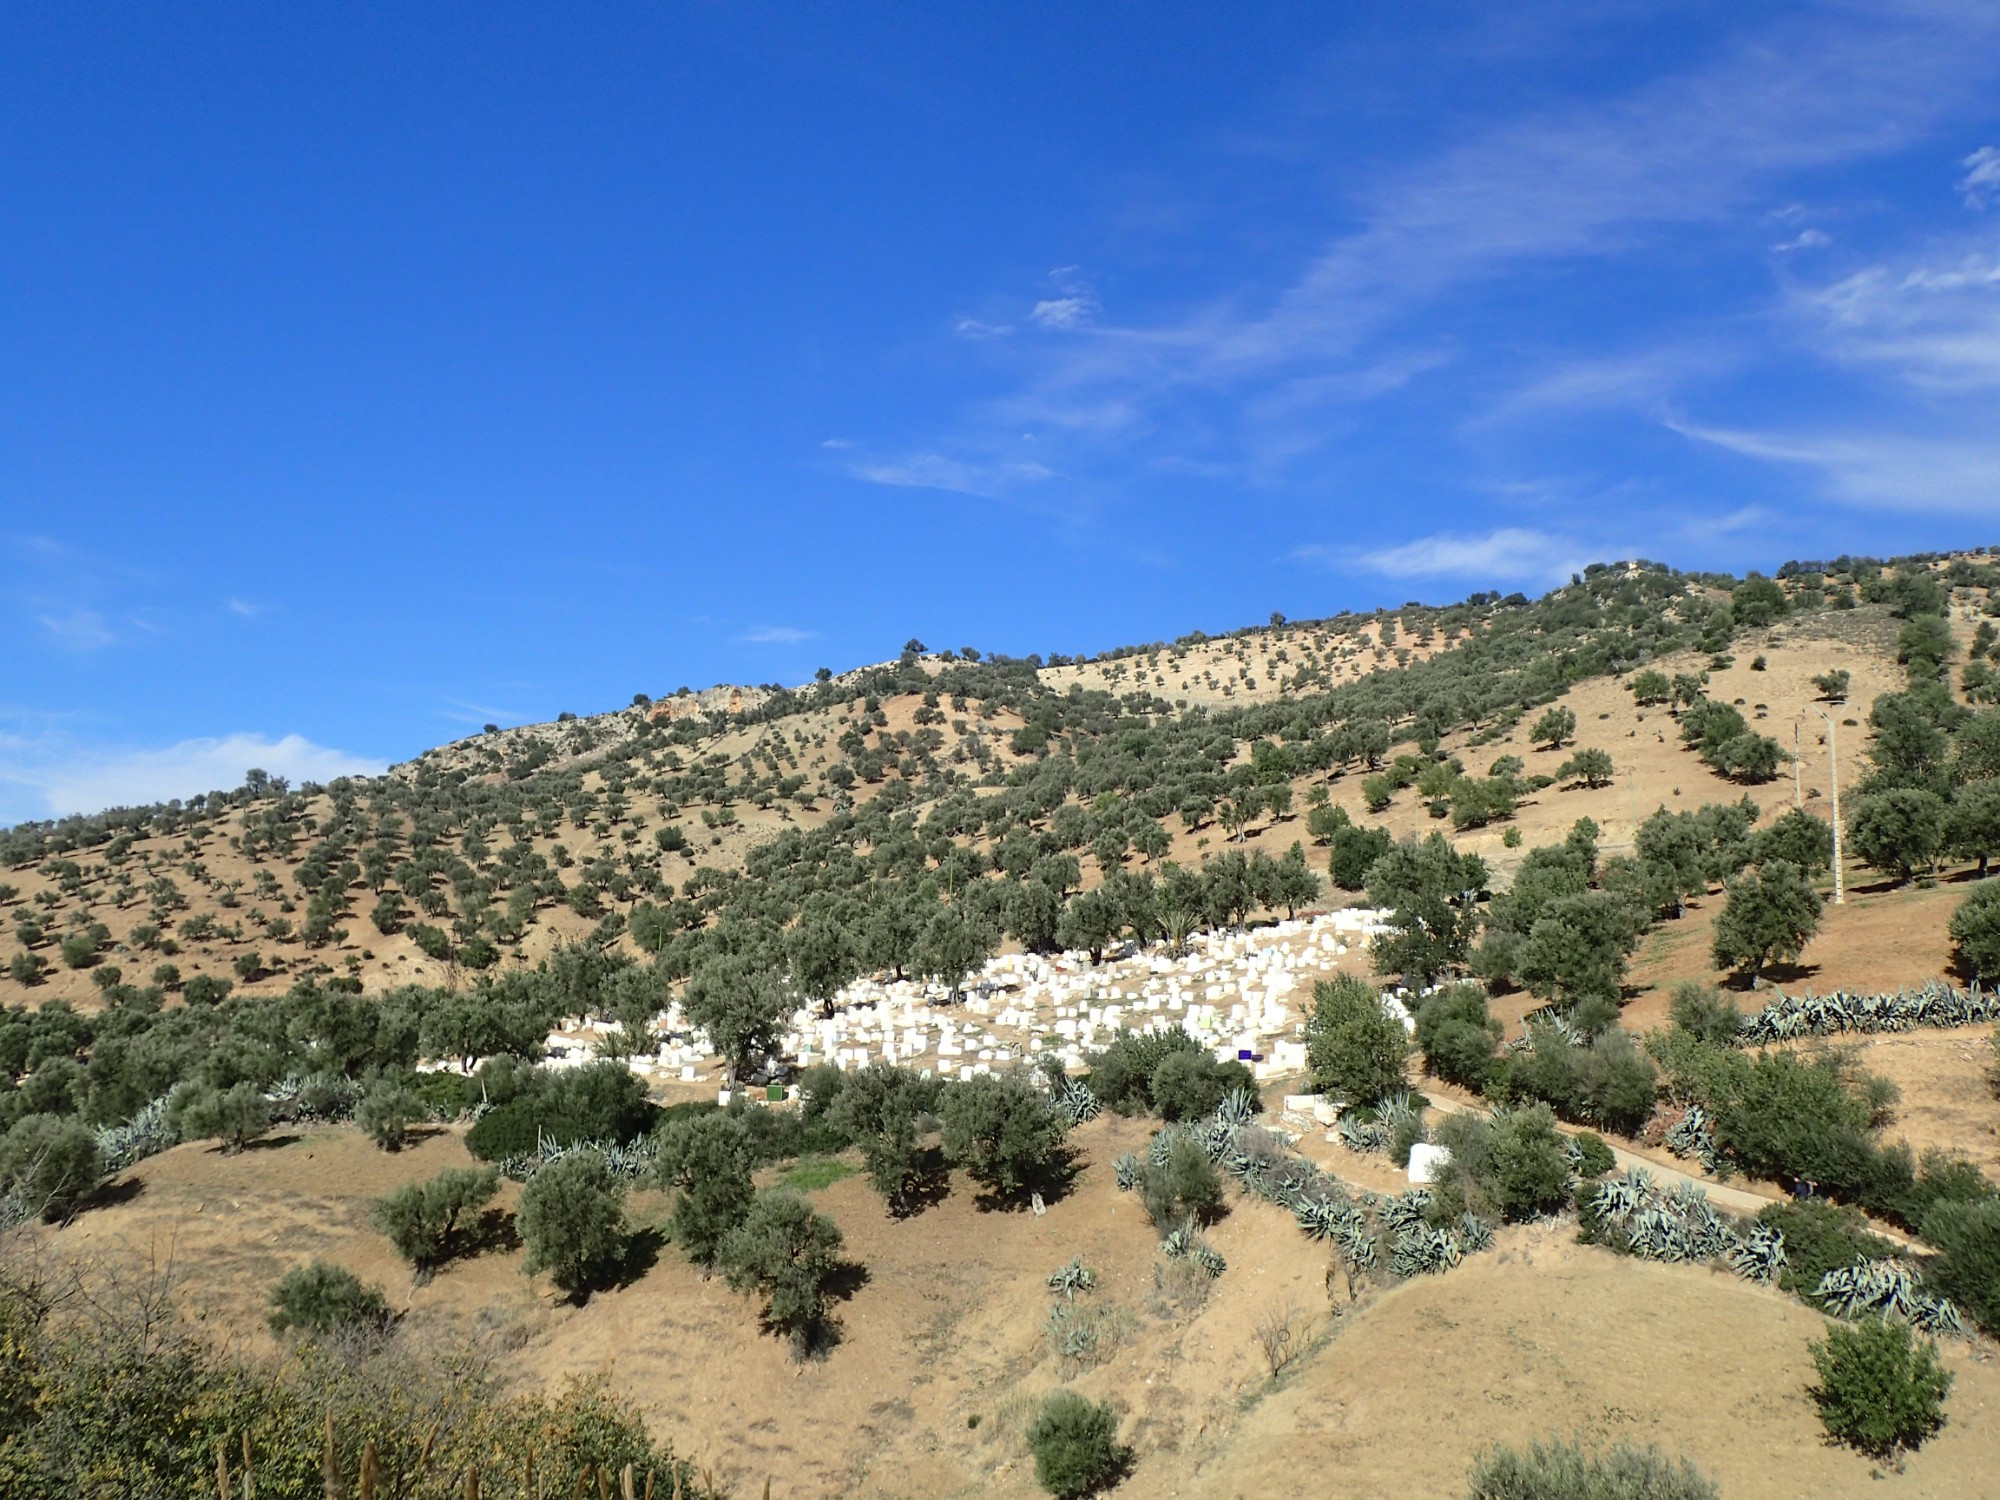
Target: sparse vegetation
1565, 1470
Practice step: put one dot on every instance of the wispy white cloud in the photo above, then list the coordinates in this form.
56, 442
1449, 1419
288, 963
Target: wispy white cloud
1510, 553
975, 329
461, 712
1062, 313
1805, 239
67, 776
1934, 321
779, 635
243, 607
1882, 470
78, 629
1981, 182
934, 471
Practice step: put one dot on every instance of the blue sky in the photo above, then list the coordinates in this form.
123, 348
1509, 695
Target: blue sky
368, 373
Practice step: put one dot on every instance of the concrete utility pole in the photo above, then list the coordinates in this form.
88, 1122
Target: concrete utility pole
1833, 776
1798, 788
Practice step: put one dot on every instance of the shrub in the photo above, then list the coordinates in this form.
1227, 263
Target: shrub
1594, 1158
1768, 913
426, 1221
324, 1299
1567, 1471
1705, 1013
882, 1109
1076, 1447
1122, 1074
572, 1220
1881, 1389
1355, 1047
236, 1116
50, 1163
386, 1112
1457, 1036
1001, 1131
1966, 1236
1821, 1237
602, 1101
707, 1157
1790, 1117
1618, 1083
791, 1254
1185, 1188
1188, 1085
1975, 933
1512, 1166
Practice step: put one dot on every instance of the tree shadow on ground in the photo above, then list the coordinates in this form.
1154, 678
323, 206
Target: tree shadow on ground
639, 1254
1054, 1181
493, 1230
929, 1186
277, 1141
110, 1194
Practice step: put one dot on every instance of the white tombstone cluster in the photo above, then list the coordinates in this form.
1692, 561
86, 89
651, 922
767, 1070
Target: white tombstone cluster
1244, 995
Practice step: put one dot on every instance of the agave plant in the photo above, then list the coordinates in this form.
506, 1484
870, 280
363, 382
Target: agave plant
1760, 1254
1474, 1233
146, 1134
1364, 1136
1238, 1107
1074, 1103
1424, 1251
1405, 1211
1694, 1137
1126, 1169
1935, 1004
1072, 1278
1887, 1289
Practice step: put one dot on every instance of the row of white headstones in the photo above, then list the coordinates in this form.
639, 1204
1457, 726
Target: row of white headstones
1242, 994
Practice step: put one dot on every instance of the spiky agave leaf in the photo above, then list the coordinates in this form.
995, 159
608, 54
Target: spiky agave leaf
1126, 1171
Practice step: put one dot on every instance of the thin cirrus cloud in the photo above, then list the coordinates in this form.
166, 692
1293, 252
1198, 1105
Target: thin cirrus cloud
1880, 470
779, 635
50, 774
1236, 383
78, 629
934, 471
1512, 553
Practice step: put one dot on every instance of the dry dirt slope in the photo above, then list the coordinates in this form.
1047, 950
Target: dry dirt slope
944, 1357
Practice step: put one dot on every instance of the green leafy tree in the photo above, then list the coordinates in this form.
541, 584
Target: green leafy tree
1972, 823
1554, 727
428, 1221
322, 1300
742, 1005
1975, 934
1001, 1131
791, 1255
1355, 1047
1899, 831
1076, 1447
1650, 686
1798, 838
572, 1220
884, 1110
1881, 1388
1832, 686
708, 1160
1430, 892
1966, 1235
1592, 767
1183, 1189
49, 1164
387, 1111
1771, 913
1578, 947
236, 1116
1458, 1036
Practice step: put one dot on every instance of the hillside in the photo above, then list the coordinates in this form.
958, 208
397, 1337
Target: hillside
1535, 818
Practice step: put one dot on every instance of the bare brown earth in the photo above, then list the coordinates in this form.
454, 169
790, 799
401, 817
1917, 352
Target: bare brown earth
943, 1358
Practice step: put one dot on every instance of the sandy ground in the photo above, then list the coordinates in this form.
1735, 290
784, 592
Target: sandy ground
943, 1357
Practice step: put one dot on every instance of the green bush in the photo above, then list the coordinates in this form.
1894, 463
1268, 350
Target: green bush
50, 1164
1975, 933
1185, 1188
1966, 1236
1821, 1237
1594, 1157
603, 1101
1881, 1389
324, 1299
1001, 1131
1458, 1036
1560, 1470
572, 1220
386, 1112
1355, 1047
1512, 1166
1076, 1447
427, 1221
707, 1157
1188, 1085
236, 1116
1705, 1013
1122, 1074
791, 1255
